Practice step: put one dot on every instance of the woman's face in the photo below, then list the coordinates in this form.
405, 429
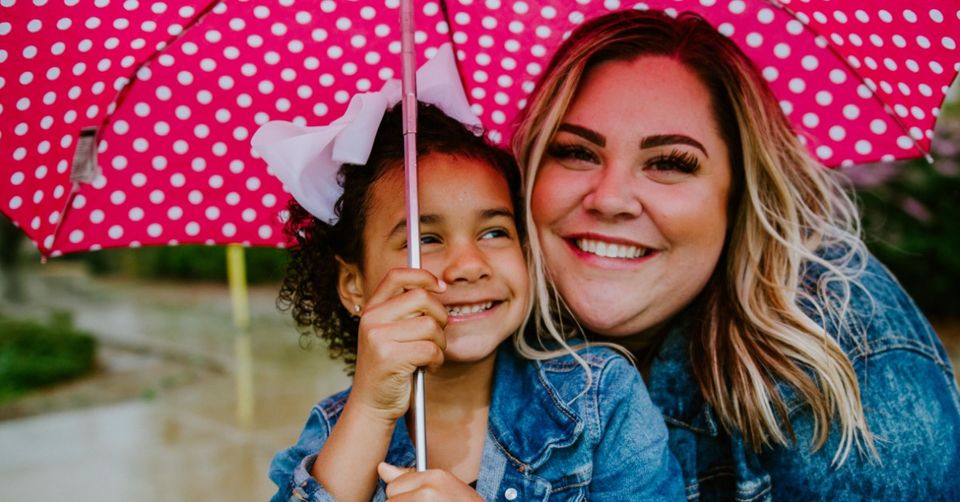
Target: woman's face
630, 201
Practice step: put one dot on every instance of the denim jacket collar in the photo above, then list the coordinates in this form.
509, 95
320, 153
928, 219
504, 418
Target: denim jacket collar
674, 388
526, 429
530, 428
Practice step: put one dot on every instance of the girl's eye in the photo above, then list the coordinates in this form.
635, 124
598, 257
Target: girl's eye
496, 233
429, 239
675, 162
572, 154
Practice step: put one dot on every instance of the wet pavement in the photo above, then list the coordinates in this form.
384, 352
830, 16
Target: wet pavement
175, 434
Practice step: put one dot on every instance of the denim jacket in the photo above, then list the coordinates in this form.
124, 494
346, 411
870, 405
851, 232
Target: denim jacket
549, 436
909, 395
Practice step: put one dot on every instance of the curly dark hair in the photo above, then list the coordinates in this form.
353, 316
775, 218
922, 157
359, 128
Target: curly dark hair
309, 289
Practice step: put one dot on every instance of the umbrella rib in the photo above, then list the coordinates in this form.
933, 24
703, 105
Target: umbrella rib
117, 103
132, 79
853, 71
445, 11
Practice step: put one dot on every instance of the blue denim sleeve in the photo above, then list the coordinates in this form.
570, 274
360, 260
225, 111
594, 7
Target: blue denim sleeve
290, 468
911, 403
912, 411
632, 460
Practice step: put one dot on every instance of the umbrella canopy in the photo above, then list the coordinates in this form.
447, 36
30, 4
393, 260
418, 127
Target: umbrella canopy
175, 91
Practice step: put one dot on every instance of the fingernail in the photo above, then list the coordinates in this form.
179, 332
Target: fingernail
442, 285
388, 472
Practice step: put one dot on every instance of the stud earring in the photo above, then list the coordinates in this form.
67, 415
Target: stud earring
356, 307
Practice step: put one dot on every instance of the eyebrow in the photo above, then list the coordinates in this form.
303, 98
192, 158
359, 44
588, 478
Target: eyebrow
497, 212
647, 142
671, 139
427, 219
401, 226
587, 134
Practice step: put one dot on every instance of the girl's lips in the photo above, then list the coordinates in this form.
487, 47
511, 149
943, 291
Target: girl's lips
473, 316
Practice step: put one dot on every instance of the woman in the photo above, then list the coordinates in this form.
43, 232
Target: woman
675, 213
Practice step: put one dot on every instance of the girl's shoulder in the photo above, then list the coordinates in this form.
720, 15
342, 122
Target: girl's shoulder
587, 375
595, 357
330, 409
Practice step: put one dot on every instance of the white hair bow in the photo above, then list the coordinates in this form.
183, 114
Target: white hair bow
307, 159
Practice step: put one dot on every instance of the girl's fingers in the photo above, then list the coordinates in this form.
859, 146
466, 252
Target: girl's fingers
390, 472
421, 328
433, 484
408, 304
398, 280
400, 358
417, 354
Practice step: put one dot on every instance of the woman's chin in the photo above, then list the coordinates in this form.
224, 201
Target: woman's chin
618, 326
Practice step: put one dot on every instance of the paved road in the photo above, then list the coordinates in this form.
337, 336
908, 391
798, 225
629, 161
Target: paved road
179, 441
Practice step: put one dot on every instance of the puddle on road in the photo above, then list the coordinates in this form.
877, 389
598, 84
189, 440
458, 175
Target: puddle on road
180, 440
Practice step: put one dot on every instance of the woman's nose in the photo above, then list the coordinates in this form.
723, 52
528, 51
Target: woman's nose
467, 263
613, 195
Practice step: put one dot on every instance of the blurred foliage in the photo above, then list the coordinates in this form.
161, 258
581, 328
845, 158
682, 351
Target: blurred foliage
191, 263
911, 220
34, 354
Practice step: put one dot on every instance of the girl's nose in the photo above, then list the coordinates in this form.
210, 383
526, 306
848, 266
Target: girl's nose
467, 263
613, 196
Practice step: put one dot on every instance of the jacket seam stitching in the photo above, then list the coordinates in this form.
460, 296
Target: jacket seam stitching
906, 345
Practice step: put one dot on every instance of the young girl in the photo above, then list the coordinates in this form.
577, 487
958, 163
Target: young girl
499, 427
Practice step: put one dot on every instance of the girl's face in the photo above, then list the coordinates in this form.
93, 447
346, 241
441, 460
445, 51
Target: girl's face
630, 201
468, 239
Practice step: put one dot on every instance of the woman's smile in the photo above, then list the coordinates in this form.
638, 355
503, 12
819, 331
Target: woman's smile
609, 251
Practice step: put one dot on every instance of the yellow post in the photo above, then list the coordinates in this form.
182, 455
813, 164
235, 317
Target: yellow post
237, 279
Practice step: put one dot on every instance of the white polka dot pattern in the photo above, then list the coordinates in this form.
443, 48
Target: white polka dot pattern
178, 100
859, 82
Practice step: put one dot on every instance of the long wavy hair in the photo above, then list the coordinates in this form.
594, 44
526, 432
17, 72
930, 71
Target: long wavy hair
751, 333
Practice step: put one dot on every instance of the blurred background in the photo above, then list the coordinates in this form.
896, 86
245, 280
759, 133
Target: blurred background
120, 370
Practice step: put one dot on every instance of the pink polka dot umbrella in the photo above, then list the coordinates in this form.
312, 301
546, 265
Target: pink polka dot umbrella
168, 93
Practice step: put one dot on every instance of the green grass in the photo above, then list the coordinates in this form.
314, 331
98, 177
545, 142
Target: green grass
34, 354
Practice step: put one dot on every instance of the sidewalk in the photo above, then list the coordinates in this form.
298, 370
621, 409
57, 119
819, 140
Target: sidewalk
179, 439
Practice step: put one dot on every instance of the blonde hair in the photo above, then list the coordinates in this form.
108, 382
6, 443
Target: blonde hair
784, 207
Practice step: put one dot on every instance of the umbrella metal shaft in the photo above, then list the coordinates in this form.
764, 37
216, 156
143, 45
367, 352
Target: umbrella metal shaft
409, 109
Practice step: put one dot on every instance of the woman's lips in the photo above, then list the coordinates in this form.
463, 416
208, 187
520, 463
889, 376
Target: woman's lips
609, 249
608, 252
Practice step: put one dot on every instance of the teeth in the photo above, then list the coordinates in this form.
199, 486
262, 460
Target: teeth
610, 250
469, 309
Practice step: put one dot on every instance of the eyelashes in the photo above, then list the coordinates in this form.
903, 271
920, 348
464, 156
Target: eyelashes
677, 161
562, 151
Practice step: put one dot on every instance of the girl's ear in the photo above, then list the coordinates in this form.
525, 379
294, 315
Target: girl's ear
350, 286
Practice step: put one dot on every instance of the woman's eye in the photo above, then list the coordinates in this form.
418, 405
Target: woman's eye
675, 162
572, 153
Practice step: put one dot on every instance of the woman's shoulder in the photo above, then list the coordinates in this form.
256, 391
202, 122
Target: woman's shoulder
878, 315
